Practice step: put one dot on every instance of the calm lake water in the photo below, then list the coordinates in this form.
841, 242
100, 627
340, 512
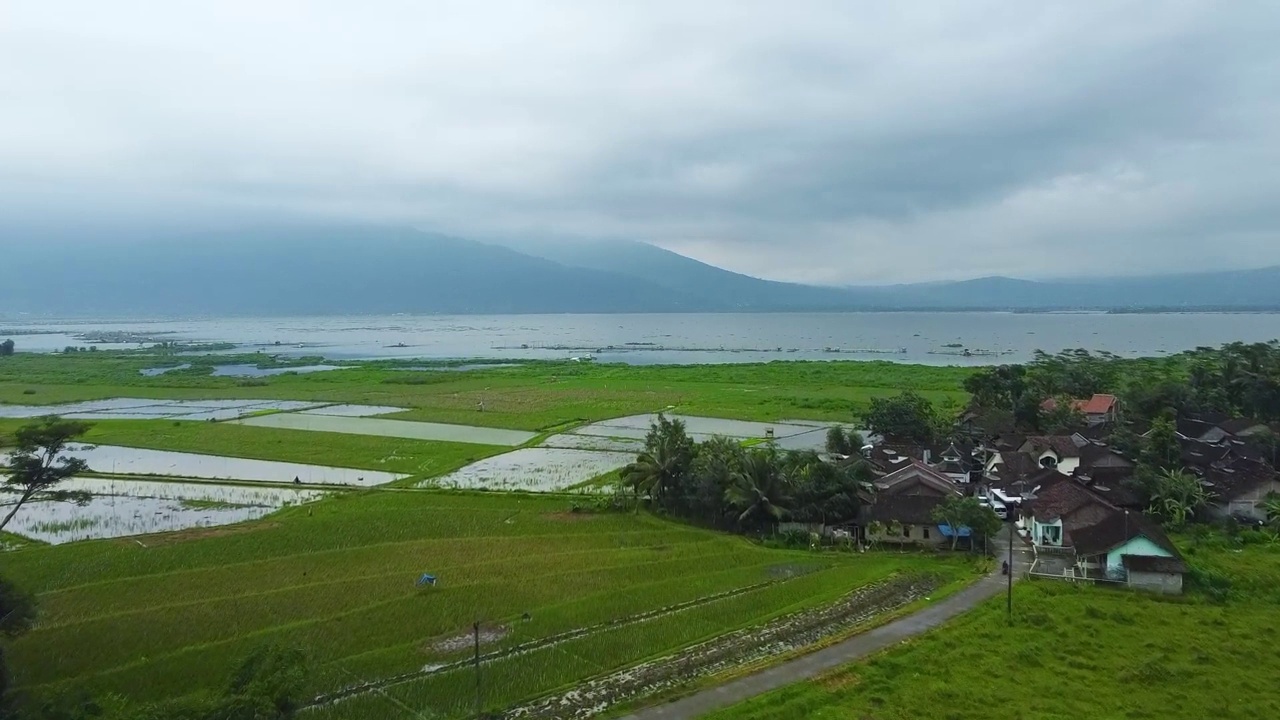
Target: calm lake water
933, 338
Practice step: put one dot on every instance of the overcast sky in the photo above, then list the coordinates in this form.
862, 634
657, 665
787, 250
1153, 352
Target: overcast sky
821, 142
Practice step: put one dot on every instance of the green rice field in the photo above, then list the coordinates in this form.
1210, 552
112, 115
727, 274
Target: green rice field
1072, 652
338, 578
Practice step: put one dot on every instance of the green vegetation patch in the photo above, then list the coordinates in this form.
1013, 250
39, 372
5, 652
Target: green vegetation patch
532, 396
1071, 651
338, 578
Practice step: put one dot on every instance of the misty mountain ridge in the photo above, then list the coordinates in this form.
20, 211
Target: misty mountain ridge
364, 269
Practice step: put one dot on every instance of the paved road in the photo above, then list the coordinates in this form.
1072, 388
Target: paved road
843, 653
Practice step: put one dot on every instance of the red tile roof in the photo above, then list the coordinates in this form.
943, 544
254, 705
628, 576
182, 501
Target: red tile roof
1096, 405
1099, 405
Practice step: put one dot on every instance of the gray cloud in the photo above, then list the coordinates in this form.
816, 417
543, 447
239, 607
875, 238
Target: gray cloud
812, 141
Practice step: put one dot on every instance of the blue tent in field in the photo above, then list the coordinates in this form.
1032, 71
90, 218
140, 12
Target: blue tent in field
427, 579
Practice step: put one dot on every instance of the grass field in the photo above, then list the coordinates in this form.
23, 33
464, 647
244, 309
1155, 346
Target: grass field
338, 578
1072, 652
534, 396
175, 614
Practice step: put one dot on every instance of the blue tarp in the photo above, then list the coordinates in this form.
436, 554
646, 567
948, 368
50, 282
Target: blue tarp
946, 531
426, 579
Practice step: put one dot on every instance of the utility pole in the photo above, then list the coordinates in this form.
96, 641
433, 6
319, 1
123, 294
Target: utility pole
476, 633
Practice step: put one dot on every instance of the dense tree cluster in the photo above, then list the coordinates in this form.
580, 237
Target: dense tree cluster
724, 484
1237, 380
6, 348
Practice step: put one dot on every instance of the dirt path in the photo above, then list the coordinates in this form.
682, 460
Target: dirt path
843, 653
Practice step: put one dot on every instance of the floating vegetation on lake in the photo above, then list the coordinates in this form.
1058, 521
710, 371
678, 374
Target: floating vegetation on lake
539, 469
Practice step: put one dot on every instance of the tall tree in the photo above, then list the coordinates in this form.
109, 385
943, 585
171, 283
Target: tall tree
968, 513
659, 469
908, 416
759, 493
37, 464
714, 466
1160, 447
6, 348
1062, 417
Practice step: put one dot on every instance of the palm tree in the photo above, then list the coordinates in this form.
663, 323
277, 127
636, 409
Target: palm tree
653, 472
759, 491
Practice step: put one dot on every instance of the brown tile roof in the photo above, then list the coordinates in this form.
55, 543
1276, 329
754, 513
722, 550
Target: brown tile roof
1238, 477
1062, 496
1111, 484
918, 469
909, 509
1063, 445
1096, 453
1115, 530
1153, 564
1018, 464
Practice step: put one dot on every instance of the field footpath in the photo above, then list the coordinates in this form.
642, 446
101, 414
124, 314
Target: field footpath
855, 648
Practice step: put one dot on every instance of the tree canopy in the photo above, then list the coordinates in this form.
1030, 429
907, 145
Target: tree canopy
37, 464
908, 416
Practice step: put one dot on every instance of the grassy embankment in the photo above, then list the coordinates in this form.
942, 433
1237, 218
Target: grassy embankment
337, 578
1072, 652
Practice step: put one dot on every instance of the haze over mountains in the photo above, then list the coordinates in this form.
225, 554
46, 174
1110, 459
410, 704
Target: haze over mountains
348, 269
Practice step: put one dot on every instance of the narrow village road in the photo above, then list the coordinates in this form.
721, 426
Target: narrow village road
843, 653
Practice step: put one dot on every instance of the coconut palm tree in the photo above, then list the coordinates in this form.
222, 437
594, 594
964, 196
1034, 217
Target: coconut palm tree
759, 492
653, 471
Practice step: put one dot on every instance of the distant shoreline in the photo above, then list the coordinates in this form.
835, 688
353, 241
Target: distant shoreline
19, 319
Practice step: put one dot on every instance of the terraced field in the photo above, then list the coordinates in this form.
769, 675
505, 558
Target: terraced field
337, 577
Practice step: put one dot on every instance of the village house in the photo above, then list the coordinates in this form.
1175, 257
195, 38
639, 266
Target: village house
1240, 488
1080, 536
1053, 451
961, 462
904, 501
1100, 409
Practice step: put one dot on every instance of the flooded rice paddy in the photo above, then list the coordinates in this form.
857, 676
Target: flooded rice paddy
540, 469
150, 409
594, 442
120, 508
138, 461
391, 428
353, 410
789, 436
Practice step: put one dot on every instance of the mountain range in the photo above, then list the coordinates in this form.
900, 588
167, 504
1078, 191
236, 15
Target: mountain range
287, 269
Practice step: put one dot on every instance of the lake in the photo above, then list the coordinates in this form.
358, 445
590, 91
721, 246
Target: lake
918, 337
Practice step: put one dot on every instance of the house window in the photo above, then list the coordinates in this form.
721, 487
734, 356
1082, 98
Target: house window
906, 531
926, 533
